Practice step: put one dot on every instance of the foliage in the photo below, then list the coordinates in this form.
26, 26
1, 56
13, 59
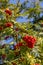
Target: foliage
27, 45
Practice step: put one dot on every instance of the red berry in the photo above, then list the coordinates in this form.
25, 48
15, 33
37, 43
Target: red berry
8, 12
16, 29
8, 24
18, 45
1, 28
25, 38
3, 56
30, 45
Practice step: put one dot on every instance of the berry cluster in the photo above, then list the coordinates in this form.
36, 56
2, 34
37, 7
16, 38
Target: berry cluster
30, 41
8, 11
8, 24
18, 45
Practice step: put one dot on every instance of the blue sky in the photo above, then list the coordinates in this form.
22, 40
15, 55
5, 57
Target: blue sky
24, 18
